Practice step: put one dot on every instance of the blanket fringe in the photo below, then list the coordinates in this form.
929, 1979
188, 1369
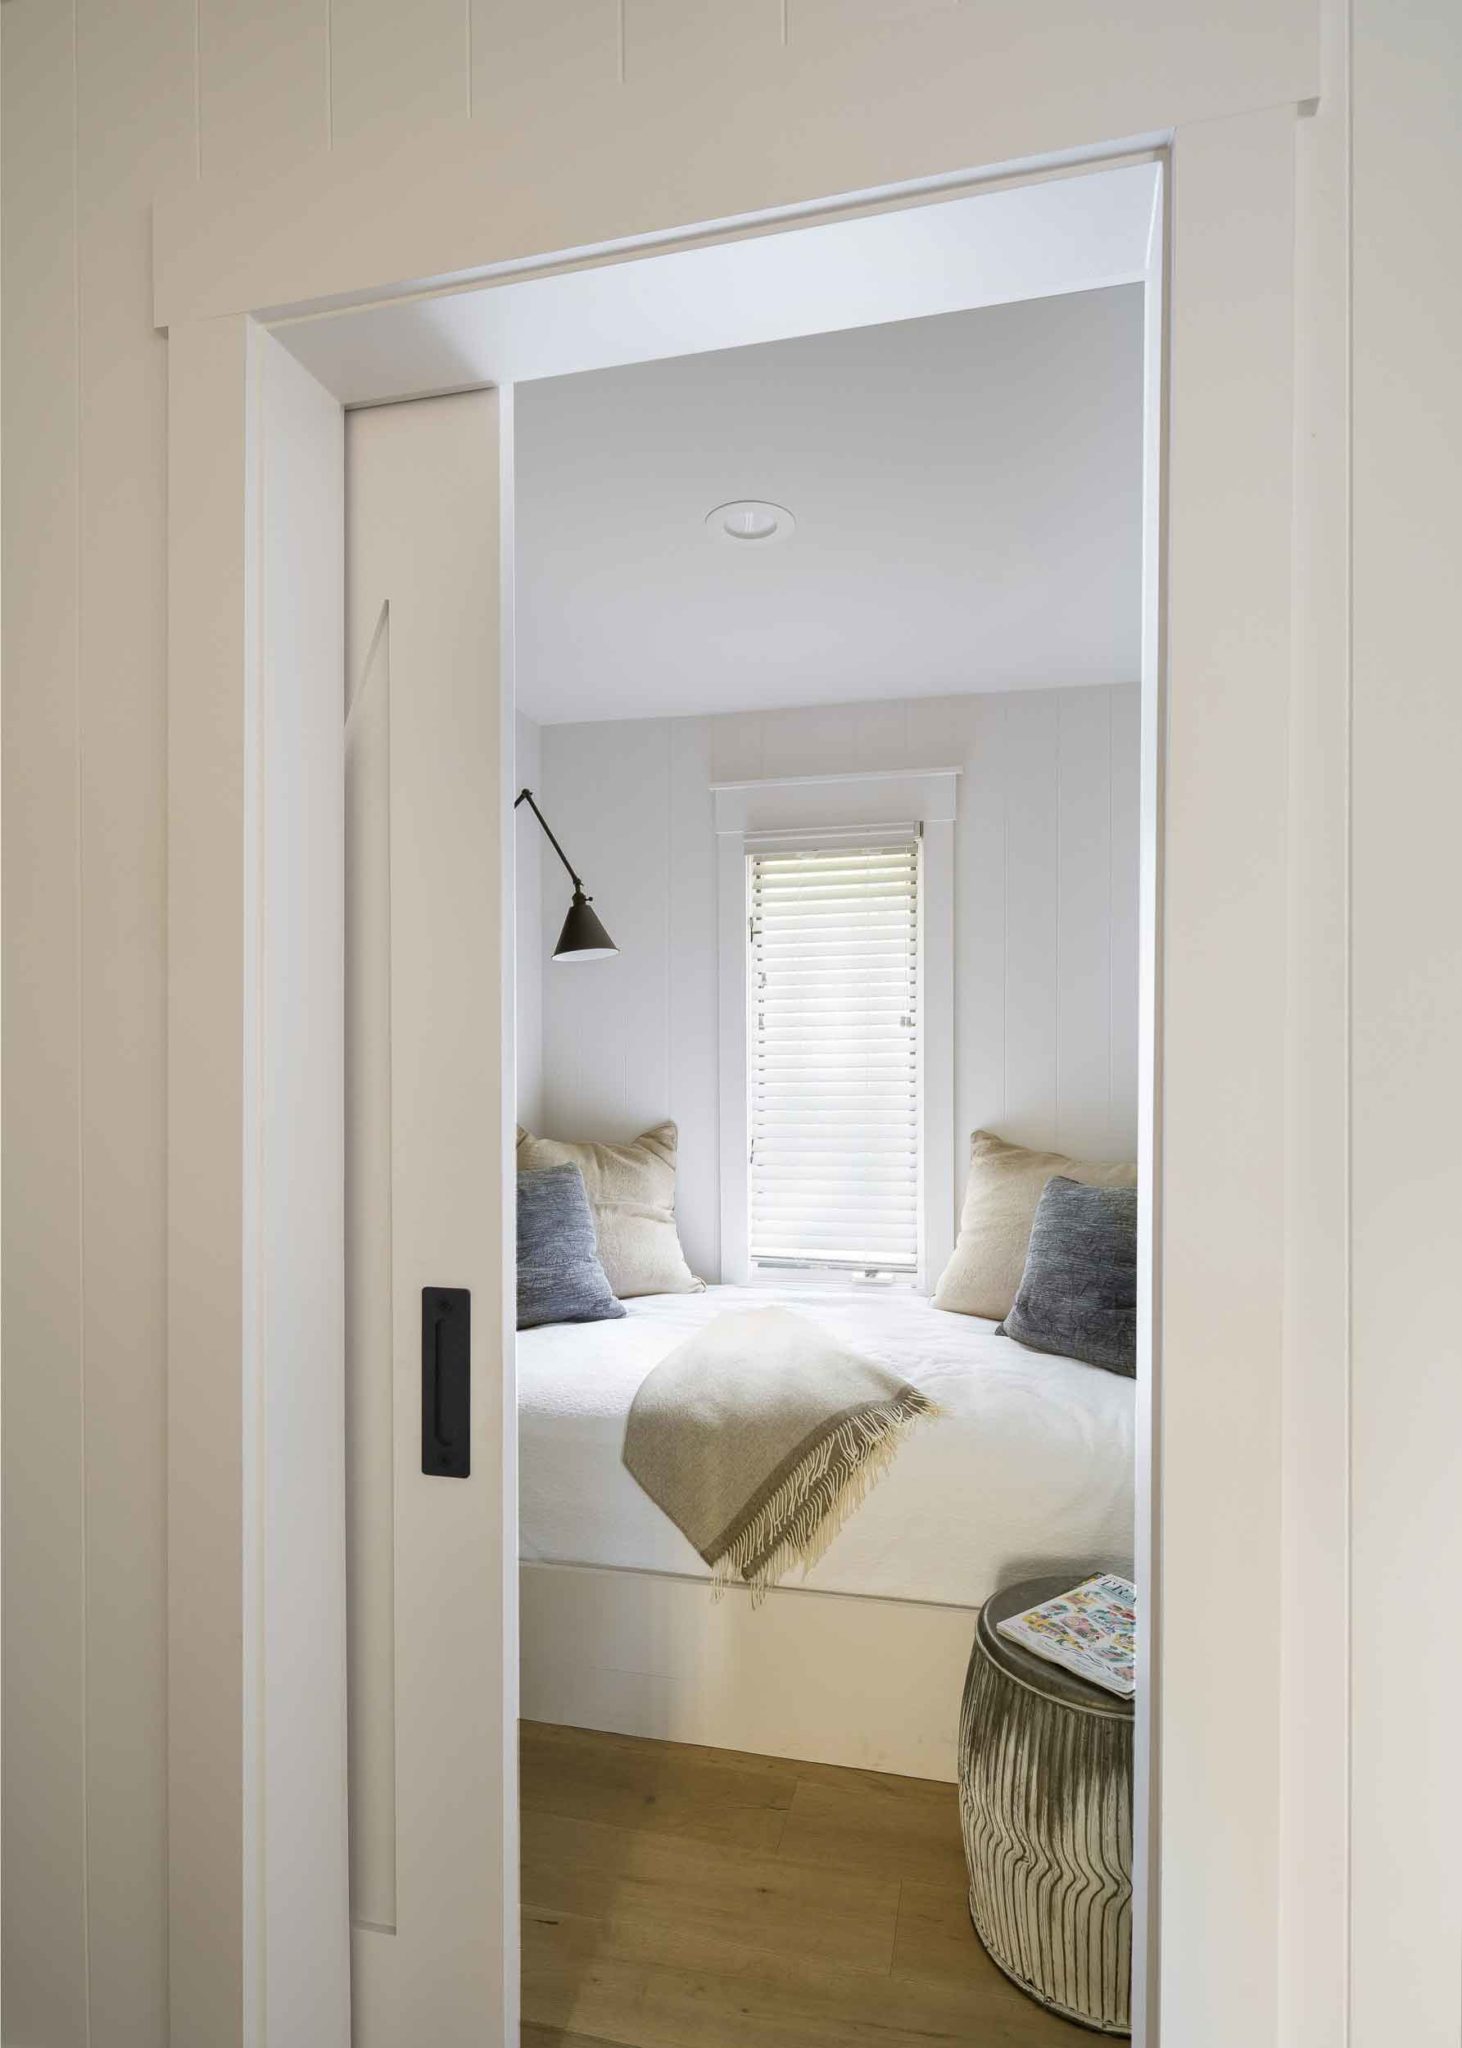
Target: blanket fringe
799, 1521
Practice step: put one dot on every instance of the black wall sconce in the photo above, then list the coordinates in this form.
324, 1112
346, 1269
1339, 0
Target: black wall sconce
582, 937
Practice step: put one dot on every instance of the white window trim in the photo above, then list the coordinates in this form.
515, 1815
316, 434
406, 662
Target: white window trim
808, 806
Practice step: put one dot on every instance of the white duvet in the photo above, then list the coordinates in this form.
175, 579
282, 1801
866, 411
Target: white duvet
1028, 1468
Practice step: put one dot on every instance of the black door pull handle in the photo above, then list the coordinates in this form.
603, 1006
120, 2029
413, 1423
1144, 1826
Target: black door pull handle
446, 1382
439, 1434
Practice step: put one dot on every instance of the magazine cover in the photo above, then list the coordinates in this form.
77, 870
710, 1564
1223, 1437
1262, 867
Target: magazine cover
1091, 1630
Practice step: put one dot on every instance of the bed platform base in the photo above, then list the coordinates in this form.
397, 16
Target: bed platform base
824, 1677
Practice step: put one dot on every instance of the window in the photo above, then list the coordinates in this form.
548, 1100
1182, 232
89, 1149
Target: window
833, 1070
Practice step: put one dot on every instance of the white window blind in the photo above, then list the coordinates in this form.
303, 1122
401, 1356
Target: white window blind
834, 1056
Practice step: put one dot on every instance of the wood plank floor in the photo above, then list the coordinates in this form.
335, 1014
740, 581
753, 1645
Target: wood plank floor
698, 1898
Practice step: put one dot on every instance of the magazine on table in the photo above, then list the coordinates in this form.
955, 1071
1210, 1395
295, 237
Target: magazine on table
1091, 1630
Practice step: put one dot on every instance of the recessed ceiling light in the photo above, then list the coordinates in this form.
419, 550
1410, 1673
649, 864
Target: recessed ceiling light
749, 519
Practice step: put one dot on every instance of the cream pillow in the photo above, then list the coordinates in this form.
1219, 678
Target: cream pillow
1001, 1197
631, 1190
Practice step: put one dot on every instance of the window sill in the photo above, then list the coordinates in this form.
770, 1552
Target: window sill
825, 1276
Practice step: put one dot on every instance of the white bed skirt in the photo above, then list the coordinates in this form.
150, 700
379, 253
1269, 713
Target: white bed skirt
825, 1677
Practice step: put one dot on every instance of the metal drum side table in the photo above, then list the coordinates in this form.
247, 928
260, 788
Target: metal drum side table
1045, 1795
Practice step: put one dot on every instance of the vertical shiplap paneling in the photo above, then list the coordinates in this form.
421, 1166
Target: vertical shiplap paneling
735, 738
1032, 894
679, 45
964, 733
135, 136
692, 991
45, 1978
605, 1055
395, 69
1406, 1020
875, 736
526, 52
1083, 922
937, 731
571, 1087
814, 25
980, 920
529, 847
263, 85
211, 1070
814, 741
643, 884
1123, 896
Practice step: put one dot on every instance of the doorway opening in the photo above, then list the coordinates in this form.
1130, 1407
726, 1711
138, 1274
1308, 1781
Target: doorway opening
834, 679
828, 693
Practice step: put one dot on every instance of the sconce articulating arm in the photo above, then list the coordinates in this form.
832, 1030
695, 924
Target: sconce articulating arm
525, 796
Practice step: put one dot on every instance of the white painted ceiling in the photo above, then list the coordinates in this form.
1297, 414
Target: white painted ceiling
968, 497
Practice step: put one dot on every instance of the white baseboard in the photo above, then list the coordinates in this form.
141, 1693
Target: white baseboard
825, 1677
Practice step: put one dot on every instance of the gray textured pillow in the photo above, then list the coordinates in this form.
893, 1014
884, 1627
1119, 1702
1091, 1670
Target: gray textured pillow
631, 1190
1004, 1188
560, 1279
1078, 1293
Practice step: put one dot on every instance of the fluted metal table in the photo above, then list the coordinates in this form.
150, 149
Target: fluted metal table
1045, 1784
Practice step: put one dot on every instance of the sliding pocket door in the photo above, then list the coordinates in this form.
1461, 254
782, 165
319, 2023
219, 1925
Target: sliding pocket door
428, 1349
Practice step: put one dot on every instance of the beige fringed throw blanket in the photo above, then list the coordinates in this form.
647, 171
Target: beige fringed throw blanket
760, 1435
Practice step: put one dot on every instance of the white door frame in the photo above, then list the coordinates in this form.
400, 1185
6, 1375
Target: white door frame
1217, 993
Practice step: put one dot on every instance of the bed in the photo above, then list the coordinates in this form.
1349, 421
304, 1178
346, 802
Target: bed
1028, 1469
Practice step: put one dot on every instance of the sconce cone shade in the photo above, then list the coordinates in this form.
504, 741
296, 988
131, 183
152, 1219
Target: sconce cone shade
583, 937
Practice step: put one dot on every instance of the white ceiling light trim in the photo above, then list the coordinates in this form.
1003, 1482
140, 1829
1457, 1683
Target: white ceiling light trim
750, 520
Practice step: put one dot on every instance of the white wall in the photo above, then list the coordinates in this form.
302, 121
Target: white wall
529, 848
98, 113
1045, 915
1406, 1021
